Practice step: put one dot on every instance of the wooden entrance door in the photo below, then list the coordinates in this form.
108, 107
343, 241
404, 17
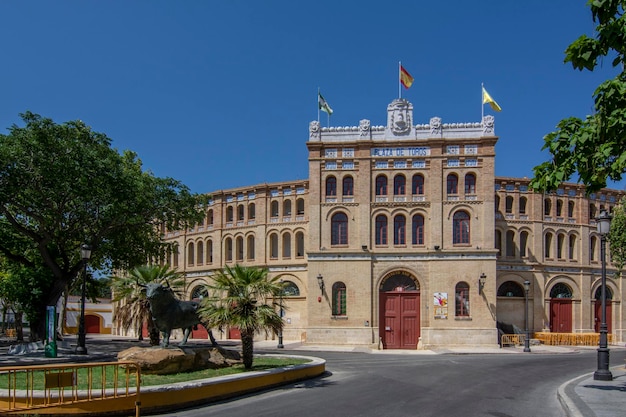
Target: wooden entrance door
598, 315
561, 315
399, 319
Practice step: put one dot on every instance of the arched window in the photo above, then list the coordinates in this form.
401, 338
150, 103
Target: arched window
496, 204
331, 186
209, 251
228, 248
608, 294
347, 186
470, 184
462, 300
399, 185
339, 229
570, 209
250, 247
240, 212
418, 230
560, 242
559, 208
523, 243
300, 207
287, 245
229, 214
274, 209
209, 218
299, 244
399, 230
508, 204
381, 185
290, 289
572, 247
339, 299
561, 290
417, 186
239, 248
381, 229
461, 228
547, 249
190, 253
200, 252
510, 289
592, 211
274, 246
452, 184
522, 205
593, 247
251, 211
510, 243
199, 292
498, 242
287, 208
547, 207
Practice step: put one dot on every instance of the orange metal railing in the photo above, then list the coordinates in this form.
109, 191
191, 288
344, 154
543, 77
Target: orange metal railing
70, 388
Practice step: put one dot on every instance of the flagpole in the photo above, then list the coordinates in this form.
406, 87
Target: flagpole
482, 105
318, 104
399, 79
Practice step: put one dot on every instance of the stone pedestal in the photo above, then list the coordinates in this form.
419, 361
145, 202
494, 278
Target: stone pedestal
173, 360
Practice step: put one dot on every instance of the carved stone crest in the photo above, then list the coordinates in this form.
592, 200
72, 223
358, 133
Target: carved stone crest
314, 129
435, 125
364, 127
488, 124
400, 116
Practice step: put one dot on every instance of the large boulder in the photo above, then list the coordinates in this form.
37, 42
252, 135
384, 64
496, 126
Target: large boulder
163, 361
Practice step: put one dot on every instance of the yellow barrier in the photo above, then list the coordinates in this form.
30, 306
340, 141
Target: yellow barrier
512, 339
70, 388
571, 339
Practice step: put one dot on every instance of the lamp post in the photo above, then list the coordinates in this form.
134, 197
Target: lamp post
280, 332
603, 223
85, 253
527, 337
481, 283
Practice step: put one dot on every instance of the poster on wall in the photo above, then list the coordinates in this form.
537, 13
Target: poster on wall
441, 305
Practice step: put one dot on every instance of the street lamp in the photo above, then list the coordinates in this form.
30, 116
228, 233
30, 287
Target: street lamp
280, 332
603, 223
481, 283
85, 254
527, 338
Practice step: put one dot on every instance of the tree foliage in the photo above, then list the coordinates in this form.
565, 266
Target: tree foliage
617, 237
63, 185
132, 308
595, 147
238, 297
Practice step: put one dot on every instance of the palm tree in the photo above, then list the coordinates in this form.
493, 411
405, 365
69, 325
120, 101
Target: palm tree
239, 298
133, 309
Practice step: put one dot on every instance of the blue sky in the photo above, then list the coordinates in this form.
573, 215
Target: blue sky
220, 94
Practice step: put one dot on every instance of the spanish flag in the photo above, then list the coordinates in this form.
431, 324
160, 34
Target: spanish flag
487, 99
405, 78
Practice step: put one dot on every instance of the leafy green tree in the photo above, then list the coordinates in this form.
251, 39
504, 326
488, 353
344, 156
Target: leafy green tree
133, 308
63, 185
617, 237
595, 148
238, 297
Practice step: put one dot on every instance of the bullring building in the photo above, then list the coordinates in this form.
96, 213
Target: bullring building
402, 237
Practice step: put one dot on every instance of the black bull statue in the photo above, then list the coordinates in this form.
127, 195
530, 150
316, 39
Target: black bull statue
169, 313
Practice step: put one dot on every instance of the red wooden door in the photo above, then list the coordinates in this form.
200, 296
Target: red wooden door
399, 320
234, 333
200, 332
598, 315
92, 324
561, 315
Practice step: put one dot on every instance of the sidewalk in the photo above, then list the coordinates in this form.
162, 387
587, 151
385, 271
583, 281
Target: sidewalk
580, 397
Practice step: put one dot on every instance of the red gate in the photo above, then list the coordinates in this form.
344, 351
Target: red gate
399, 319
598, 315
561, 315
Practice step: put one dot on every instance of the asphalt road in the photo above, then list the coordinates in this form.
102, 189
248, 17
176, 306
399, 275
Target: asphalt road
450, 385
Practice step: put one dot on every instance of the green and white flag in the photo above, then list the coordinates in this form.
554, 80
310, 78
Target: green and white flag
323, 105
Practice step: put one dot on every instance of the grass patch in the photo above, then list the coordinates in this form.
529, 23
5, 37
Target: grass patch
107, 376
